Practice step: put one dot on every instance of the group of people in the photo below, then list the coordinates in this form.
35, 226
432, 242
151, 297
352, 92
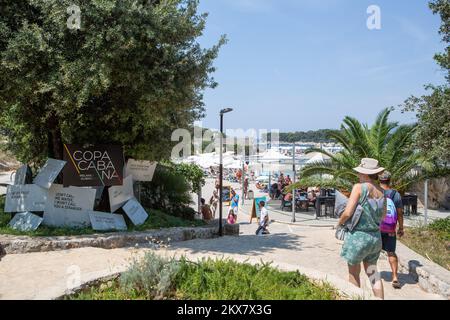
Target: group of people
380, 221
277, 189
208, 211
374, 228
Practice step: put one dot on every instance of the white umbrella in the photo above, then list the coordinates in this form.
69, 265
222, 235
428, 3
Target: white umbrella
235, 164
318, 157
272, 155
262, 179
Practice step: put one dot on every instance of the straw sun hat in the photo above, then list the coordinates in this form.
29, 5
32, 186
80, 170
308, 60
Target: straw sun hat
369, 166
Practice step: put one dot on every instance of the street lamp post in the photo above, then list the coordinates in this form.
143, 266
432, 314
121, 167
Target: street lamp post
293, 181
222, 112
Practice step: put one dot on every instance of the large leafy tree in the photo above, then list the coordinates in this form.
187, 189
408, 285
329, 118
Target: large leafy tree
433, 130
433, 109
442, 8
132, 74
388, 142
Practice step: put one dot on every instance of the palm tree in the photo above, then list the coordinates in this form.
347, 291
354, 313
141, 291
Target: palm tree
391, 144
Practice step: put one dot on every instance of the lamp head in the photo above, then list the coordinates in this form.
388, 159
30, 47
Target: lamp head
226, 110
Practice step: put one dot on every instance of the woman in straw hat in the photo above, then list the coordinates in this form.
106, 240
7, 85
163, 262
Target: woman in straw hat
363, 243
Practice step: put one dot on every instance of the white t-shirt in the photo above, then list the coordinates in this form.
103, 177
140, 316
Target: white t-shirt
264, 214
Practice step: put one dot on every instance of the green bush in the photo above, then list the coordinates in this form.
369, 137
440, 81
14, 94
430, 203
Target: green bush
230, 280
441, 225
155, 278
168, 192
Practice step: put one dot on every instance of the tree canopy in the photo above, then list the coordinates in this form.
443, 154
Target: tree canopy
442, 8
433, 109
130, 75
388, 142
317, 136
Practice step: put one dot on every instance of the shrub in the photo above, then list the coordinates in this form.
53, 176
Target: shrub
168, 192
230, 280
152, 276
441, 225
156, 278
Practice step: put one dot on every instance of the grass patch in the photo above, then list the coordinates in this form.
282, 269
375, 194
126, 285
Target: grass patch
432, 242
156, 220
154, 277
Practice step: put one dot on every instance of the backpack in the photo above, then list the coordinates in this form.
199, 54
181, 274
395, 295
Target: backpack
389, 223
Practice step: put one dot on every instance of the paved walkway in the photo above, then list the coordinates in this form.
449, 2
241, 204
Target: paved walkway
312, 249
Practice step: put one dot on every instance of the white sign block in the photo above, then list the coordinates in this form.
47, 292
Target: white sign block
23, 175
27, 197
67, 218
49, 172
69, 207
140, 170
103, 221
135, 212
119, 195
25, 221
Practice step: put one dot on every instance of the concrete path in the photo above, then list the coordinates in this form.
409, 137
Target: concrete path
313, 251
310, 248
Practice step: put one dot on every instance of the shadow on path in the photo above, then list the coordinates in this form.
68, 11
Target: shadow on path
403, 278
244, 244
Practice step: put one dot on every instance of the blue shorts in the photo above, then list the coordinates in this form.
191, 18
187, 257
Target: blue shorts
389, 241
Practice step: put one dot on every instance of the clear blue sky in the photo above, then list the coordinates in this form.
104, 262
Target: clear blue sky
305, 64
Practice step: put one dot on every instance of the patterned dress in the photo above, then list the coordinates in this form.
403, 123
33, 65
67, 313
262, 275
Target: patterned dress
363, 244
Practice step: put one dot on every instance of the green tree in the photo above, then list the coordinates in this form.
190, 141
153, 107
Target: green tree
442, 7
433, 117
132, 74
385, 141
433, 109
192, 173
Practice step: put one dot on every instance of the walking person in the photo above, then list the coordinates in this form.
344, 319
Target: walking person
214, 202
246, 183
234, 202
263, 219
389, 232
363, 243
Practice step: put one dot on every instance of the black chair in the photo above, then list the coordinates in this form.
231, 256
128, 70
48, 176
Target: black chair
329, 206
286, 204
328, 203
409, 204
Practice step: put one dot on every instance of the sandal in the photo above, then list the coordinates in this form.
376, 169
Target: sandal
396, 284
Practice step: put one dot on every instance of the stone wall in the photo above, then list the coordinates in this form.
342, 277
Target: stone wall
430, 276
438, 193
24, 244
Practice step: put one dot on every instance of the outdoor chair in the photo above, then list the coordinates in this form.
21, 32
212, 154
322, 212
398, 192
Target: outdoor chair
286, 204
329, 207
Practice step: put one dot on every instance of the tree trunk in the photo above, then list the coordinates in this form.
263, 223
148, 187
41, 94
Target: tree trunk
55, 144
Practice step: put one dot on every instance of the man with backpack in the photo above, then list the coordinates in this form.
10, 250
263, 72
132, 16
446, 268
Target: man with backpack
388, 226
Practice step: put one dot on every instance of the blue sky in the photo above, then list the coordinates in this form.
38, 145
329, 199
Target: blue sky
306, 64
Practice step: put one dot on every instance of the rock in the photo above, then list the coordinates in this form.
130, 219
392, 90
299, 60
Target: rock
438, 193
20, 244
231, 229
2, 252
